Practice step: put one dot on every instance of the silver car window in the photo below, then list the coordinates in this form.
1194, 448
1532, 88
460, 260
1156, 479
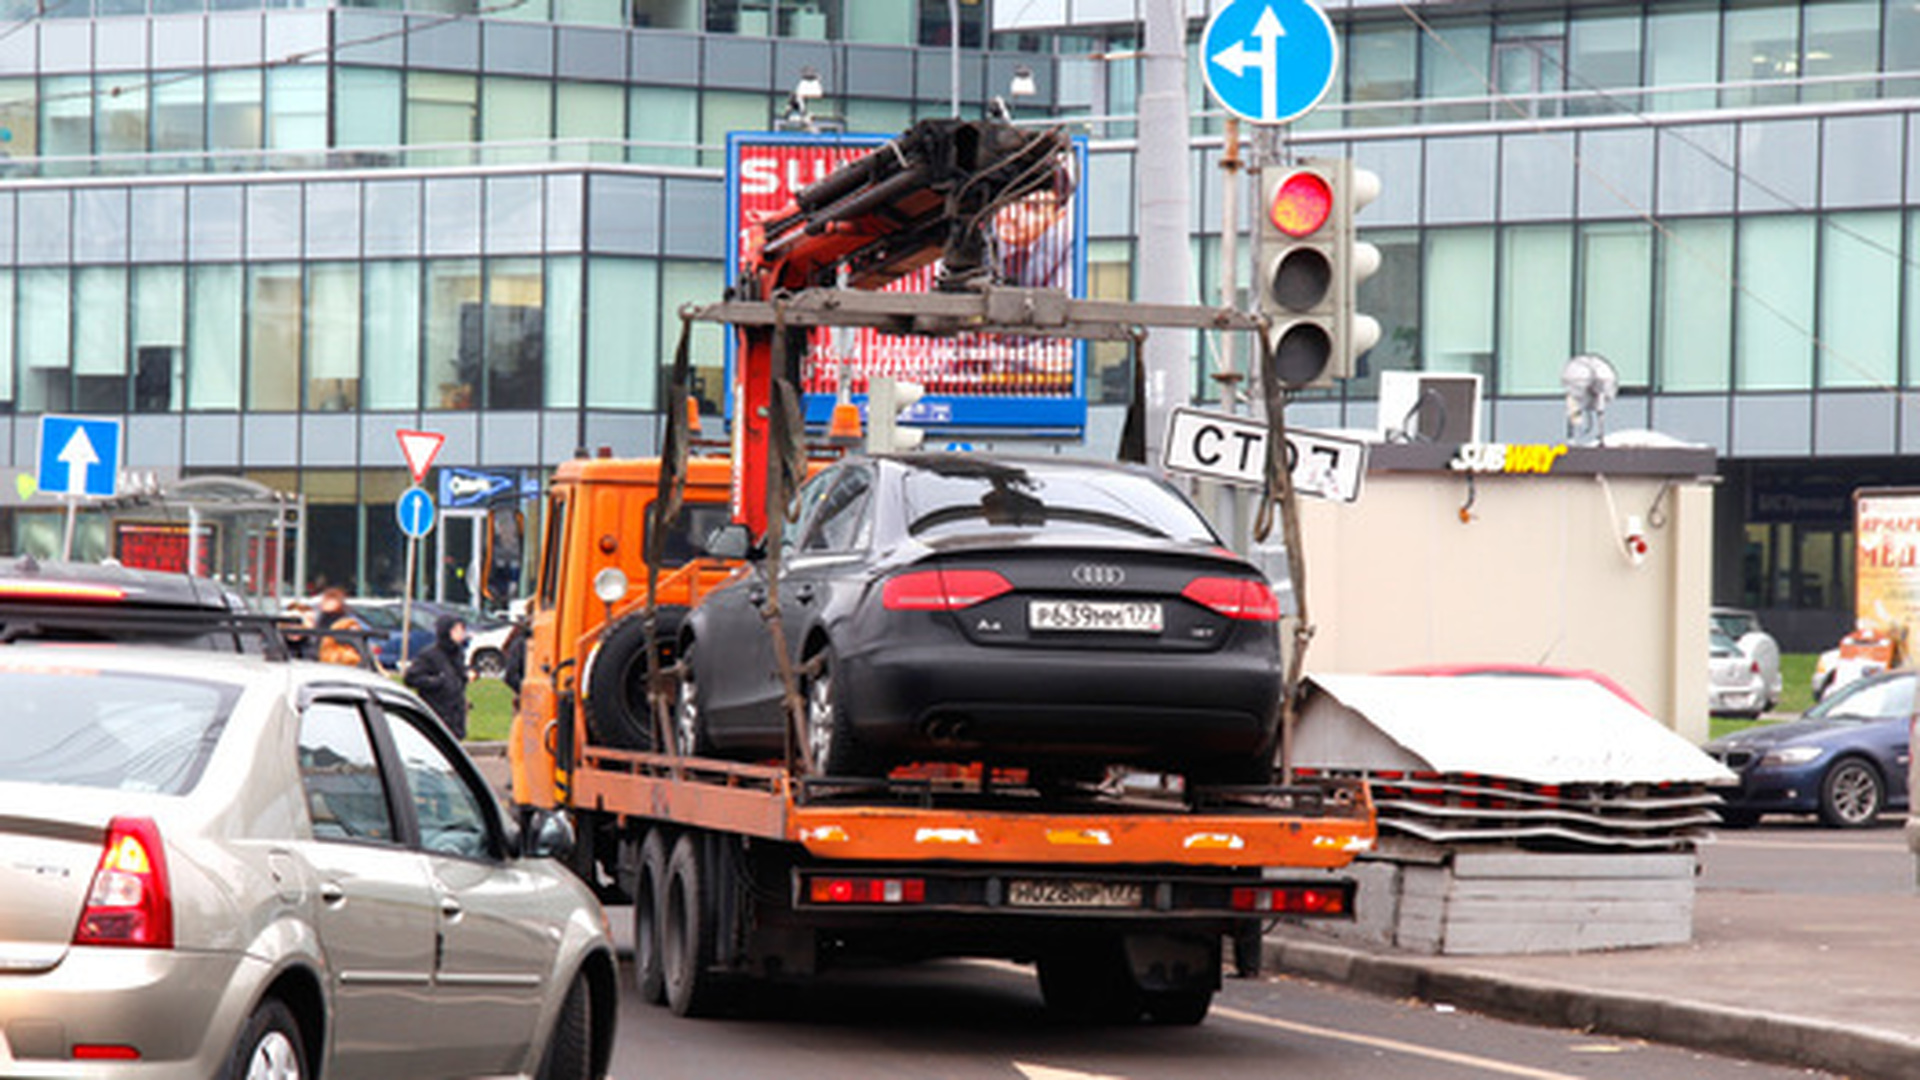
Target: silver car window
110, 730
452, 819
345, 795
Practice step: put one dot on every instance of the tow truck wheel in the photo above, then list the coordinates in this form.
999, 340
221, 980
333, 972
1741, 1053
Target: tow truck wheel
687, 930
616, 687
648, 902
1090, 983
1178, 1008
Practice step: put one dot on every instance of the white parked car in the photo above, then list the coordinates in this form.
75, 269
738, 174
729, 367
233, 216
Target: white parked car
1735, 684
1756, 644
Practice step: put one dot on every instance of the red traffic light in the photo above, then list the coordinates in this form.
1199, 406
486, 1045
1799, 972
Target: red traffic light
1301, 204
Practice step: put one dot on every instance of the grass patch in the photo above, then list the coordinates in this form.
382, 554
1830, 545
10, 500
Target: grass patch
1796, 696
489, 710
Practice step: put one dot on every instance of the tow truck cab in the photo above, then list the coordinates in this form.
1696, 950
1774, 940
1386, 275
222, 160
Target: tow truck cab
599, 512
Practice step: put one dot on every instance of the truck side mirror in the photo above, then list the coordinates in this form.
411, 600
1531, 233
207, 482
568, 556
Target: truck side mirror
731, 541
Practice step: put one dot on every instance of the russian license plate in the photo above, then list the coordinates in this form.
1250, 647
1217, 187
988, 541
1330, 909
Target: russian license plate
1115, 616
1074, 894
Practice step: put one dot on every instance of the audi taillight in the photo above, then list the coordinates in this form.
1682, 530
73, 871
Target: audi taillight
1236, 598
942, 590
129, 903
864, 890
1291, 900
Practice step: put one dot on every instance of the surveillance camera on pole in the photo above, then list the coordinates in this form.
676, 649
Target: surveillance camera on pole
1310, 263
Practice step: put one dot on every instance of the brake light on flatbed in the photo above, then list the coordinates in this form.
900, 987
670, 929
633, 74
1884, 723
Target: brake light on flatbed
1290, 900
866, 890
1236, 598
942, 590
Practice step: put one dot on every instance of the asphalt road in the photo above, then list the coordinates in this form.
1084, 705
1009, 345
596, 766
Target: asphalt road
964, 1020
1805, 858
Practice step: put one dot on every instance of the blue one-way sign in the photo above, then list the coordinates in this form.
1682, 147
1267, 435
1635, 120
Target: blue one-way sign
79, 456
415, 512
1268, 61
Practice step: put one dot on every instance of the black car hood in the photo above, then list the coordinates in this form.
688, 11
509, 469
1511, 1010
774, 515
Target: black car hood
1793, 731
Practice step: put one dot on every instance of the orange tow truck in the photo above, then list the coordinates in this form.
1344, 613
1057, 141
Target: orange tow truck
1120, 894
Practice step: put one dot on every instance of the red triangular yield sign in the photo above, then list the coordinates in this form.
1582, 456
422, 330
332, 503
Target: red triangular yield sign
419, 448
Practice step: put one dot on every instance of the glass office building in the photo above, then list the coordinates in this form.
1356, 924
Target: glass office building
269, 237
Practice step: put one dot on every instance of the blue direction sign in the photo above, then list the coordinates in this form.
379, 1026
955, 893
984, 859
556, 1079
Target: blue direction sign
415, 511
1268, 61
79, 456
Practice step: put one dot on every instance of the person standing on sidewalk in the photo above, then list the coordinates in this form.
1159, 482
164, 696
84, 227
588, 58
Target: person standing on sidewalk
439, 674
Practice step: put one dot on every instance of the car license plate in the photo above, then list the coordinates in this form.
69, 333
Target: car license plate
1074, 894
1115, 616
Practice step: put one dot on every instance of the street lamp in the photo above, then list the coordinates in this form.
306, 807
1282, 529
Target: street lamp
1023, 85
809, 88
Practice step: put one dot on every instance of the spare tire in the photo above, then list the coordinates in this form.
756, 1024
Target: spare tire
615, 686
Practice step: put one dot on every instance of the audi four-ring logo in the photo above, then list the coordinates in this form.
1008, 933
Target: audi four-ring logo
1098, 574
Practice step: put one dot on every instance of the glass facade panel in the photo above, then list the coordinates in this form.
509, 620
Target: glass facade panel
590, 12
7, 366
1900, 43
1536, 308
392, 353
66, 111
100, 339
663, 123
179, 113
46, 317
297, 108
1392, 297
1842, 40
1762, 45
233, 110
515, 334
455, 333
1773, 313
273, 337
1683, 50
623, 307
1695, 331
1616, 298
1457, 295
1912, 308
213, 338
565, 314
333, 336
1382, 64
441, 109
516, 111
1603, 58
1454, 63
684, 282
722, 111
367, 107
1860, 299
666, 14
1109, 277
159, 337
121, 120
19, 118
595, 112
878, 24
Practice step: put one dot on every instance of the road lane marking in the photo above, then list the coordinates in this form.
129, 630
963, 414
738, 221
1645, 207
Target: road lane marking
1470, 1061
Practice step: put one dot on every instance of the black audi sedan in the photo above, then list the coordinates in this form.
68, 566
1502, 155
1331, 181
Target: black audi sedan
1054, 615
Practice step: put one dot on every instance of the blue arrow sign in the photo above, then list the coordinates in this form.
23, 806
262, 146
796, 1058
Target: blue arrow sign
415, 511
79, 456
1269, 61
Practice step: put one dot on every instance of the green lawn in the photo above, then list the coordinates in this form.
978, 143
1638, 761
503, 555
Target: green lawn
1796, 695
489, 709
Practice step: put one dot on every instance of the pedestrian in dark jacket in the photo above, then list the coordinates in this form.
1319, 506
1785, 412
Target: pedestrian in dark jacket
439, 673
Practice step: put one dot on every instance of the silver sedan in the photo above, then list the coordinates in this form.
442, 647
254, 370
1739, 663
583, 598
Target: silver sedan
225, 866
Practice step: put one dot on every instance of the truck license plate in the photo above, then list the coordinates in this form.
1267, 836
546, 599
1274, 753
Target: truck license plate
1075, 894
1118, 616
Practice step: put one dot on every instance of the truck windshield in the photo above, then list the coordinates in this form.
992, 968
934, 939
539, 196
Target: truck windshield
686, 535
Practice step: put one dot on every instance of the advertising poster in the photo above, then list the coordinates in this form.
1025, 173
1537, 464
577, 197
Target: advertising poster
973, 381
1887, 524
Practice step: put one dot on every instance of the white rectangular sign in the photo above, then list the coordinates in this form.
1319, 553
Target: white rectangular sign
1233, 450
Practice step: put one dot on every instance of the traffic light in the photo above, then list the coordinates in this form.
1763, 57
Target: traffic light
885, 399
1309, 264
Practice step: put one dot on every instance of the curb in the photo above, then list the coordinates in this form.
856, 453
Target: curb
1864, 1054
489, 748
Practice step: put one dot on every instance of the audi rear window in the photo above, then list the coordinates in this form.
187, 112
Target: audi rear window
111, 730
996, 496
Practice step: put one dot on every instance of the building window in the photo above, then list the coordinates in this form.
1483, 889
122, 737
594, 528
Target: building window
515, 322
392, 328
1603, 62
1382, 66
367, 107
1616, 298
623, 328
666, 14
179, 123
595, 113
1842, 41
936, 23
273, 337
516, 111
46, 314
663, 124
213, 338
1762, 46
19, 119
442, 109
333, 337
1524, 69
67, 111
878, 24
1683, 43
1392, 297
1773, 313
121, 119
455, 347
297, 108
1454, 64
684, 282
1696, 305
1860, 299
100, 339
234, 112
1536, 308
159, 333
1109, 277
1457, 298
564, 297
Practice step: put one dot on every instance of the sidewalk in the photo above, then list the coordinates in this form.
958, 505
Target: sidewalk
1826, 982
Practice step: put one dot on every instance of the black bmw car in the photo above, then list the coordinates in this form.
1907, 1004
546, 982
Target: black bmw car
1055, 615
